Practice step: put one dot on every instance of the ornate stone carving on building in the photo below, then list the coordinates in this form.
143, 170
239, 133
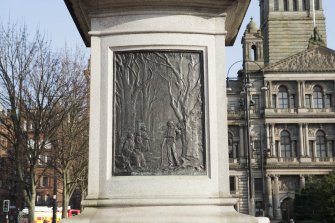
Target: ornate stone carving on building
235, 130
292, 129
158, 113
288, 183
315, 59
312, 129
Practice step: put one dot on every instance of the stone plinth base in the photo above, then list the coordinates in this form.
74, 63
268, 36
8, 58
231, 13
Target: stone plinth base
162, 214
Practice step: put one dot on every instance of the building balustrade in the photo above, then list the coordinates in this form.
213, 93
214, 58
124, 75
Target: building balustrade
271, 160
300, 111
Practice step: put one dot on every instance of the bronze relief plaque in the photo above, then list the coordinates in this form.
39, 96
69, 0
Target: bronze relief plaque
159, 113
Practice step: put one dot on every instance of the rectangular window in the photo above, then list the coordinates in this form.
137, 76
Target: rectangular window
258, 185
308, 103
38, 199
292, 101
330, 149
255, 99
305, 5
295, 5
274, 101
328, 101
257, 149
43, 159
232, 108
259, 208
286, 8
44, 181
276, 5
316, 4
232, 185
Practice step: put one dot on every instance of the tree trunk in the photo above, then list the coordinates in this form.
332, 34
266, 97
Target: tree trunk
190, 153
65, 194
31, 206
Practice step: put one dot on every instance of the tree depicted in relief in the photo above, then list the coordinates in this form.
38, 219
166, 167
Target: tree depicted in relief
152, 88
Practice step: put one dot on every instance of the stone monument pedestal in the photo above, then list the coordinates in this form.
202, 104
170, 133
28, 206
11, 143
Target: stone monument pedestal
158, 109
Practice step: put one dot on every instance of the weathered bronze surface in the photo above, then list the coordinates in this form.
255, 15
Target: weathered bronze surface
159, 124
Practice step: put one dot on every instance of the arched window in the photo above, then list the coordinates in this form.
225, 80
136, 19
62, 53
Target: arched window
282, 97
285, 144
253, 53
317, 97
320, 144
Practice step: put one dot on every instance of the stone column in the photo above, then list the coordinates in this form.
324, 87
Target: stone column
273, 143
269, 196
266, 96
270, 95
237, 186
303, 94
299, 95
290, 5
293, 142
276, 201
301, 141
235, 147
314, 149
302, 182
306, 140
268, 137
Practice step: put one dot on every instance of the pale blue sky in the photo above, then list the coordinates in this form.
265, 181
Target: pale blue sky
52, 18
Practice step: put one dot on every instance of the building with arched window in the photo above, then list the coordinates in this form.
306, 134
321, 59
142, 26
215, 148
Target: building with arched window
282, 128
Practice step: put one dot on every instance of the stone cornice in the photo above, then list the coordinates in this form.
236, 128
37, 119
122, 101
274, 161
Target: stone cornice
83, 10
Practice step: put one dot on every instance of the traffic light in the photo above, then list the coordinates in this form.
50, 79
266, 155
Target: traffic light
5, 206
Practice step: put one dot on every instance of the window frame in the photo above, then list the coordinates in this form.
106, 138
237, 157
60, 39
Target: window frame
320, 144
283, 98
285, 144
317, 97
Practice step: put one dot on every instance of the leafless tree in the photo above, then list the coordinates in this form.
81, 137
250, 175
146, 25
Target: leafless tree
133, 75
70, 145
31, 90
183, 76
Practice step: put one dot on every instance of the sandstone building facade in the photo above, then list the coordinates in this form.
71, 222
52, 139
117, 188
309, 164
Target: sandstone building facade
281, 110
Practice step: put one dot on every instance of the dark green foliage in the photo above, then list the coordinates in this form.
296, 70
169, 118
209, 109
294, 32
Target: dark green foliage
317, 201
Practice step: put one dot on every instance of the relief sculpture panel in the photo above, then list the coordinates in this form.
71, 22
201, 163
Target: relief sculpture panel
159, 113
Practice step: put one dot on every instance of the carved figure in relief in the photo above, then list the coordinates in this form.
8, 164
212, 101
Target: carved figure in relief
151, 88
170, 143
139, 142
145, 137
132, 155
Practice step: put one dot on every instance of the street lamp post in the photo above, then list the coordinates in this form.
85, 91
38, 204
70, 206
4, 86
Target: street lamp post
247, 104
54, 208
